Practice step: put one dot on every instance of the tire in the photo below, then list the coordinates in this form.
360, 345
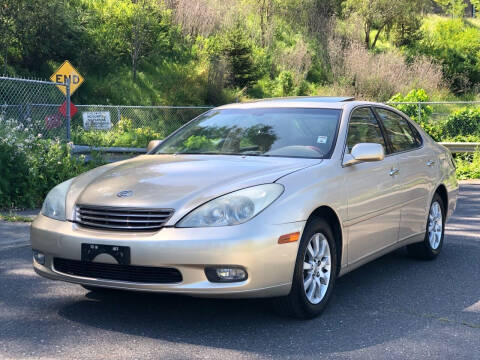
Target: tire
297, 303
432, 245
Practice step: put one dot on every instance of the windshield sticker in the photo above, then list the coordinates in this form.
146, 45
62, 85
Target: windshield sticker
322, 139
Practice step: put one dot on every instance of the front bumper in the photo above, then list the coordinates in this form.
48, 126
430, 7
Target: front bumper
253, 246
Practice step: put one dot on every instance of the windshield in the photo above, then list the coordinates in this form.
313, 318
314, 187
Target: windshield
288, 132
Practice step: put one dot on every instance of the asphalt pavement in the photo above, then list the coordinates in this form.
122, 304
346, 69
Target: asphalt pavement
393, 308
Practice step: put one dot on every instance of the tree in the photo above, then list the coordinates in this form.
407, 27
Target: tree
34, 32
7, 29
476, 4
238, 51
265, 10
456, 8
149, 31
405, 30
312, 15
381, 14
140, 28
455, 47
130, 31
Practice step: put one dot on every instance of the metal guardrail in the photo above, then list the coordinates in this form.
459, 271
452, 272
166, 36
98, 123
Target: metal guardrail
460, 147
85, 149
122, 153
109, 154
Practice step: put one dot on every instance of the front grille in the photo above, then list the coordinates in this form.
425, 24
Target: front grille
121, 219
139, 274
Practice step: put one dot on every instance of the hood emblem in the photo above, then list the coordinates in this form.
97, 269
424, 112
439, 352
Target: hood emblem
125, 193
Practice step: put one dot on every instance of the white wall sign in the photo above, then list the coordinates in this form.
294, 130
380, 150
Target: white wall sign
97, 120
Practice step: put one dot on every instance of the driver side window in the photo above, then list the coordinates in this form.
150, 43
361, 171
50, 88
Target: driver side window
364, 128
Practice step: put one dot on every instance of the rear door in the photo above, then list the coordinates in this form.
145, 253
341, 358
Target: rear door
373, 214
416, 168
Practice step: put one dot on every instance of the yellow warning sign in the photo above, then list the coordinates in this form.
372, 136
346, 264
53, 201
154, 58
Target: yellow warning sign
67, 72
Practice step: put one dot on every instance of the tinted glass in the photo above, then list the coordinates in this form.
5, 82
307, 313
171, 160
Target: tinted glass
398, 131
364, 128
262, 132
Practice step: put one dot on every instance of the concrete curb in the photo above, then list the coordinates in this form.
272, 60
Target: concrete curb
30, 213
469, 182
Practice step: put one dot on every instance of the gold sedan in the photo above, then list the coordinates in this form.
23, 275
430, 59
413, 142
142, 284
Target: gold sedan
274, 198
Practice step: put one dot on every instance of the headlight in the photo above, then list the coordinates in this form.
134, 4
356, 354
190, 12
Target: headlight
54, 204
234, 208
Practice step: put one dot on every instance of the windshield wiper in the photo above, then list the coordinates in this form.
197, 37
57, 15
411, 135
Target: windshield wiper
215, 153
204, 153
250, 154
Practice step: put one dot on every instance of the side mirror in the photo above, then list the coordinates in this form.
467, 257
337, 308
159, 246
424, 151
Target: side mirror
364, 152
153, 144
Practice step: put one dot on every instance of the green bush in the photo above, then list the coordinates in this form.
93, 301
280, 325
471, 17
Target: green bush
51, 162
464, 138
456, 46
464, 122
31, 166
423, 117
14, 185
28, 173
124, 134
468, 166
286, 83
282, 85
415, 95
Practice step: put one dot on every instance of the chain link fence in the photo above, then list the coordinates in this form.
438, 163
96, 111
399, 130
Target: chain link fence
39, 108
128, 126
437, 111
34, 107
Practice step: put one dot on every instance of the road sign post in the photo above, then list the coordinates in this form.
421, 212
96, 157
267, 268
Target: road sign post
67, 79
68, 108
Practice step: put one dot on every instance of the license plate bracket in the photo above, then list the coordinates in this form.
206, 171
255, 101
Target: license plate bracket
119, 253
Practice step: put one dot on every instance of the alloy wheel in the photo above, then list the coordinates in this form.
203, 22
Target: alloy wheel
435, 225
316, 268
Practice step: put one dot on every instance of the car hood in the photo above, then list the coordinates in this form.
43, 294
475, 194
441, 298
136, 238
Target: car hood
179, 182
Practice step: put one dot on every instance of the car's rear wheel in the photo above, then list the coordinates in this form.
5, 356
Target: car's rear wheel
314, 275
431, 246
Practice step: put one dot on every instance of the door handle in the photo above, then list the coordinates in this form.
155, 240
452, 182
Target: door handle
394, 172
430, 163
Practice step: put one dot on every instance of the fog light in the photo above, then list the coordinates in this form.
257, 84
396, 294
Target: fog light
39, 257
226, 274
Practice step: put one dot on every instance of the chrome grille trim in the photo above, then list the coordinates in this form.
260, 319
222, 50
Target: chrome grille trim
116, 220
121, 218
167, 214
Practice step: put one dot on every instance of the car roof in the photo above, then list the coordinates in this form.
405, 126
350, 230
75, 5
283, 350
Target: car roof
310, 99
323, 102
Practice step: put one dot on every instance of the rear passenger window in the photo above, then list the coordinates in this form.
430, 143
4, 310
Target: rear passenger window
399, 132
364, 128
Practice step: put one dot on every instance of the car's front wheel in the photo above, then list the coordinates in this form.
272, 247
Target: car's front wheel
315, 273
431, 246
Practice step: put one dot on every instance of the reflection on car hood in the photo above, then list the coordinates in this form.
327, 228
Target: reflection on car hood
178, 181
